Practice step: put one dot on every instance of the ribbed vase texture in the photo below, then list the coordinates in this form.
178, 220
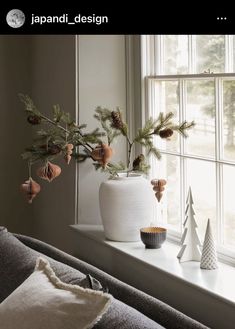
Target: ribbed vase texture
126, 205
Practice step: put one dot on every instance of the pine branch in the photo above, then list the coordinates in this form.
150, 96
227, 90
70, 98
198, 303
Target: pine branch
181, 129
185, 126
104, 116
146, 131
151, 149
140, 165
64, 117
112, 168
80, 157
61, 130
93, 137
29, 104
163, 121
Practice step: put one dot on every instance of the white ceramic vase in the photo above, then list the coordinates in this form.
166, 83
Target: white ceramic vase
126, 205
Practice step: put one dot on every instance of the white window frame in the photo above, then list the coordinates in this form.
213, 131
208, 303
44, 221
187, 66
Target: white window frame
151, 50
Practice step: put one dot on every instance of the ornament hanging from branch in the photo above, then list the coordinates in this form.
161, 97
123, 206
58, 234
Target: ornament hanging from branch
30, 188
158, 187
190, 250
59, 135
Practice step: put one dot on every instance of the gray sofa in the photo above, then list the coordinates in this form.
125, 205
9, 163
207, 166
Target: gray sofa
130, 309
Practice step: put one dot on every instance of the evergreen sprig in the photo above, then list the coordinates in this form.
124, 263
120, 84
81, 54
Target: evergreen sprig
104, 116
54, 134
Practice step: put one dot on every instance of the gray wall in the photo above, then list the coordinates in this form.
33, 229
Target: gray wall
15, 77
44, 67
53, 82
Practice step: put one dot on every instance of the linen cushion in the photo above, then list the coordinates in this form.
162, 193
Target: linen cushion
44, 301
17, 262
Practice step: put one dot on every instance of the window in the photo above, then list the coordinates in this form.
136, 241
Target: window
194, 77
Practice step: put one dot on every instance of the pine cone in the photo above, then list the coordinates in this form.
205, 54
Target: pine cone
116, 120
34, 119
54, 149
137, 162
51, 148
166, 133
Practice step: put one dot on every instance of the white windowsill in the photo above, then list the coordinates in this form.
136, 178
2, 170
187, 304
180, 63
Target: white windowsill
218, 283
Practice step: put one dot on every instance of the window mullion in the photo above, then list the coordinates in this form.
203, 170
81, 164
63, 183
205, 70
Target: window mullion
228, 53
231, 42
159, 54
192, 54
219, 156
183, 167
148, 59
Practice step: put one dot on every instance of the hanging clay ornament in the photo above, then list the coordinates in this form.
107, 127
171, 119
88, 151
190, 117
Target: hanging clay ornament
31, 189
49, 171
102, 153
69, 151
158, 187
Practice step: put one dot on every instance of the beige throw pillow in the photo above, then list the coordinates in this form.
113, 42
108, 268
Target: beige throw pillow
42, 301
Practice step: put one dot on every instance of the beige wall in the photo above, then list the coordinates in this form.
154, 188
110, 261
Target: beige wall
101, 83
44, 67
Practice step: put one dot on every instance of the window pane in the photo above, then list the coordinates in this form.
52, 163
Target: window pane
201, 178
200, 107
169, 208
229, 119
233, 53
167, 100
210, 53
175, 54
229, 205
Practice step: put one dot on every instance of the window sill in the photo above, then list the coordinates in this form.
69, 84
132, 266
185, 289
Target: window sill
218, 283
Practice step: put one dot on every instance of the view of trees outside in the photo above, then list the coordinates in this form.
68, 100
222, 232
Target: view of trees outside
202, 179
168, 211
167, 98
196, 103
229, 205
229, 119
208, 54
175, 54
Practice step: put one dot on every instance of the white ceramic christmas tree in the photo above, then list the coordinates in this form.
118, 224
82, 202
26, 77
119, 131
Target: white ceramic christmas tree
190, 241
209, 256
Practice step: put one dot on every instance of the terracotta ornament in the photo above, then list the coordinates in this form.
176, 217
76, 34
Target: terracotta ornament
158, 187
69, 151
102, 153
31, 189
49, 171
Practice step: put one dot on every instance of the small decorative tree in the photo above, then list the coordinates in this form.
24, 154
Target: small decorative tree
209, 257
190, 240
